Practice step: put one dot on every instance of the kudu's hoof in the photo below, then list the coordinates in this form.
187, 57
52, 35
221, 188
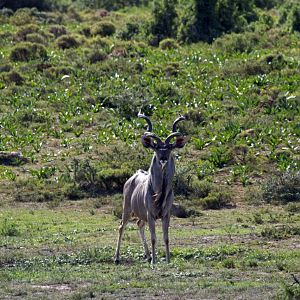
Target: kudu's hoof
117, 261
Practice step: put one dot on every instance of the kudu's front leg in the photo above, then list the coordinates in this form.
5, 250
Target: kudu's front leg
151, 222
165, 229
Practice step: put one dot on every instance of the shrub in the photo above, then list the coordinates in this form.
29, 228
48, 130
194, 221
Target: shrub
205, 20
5, 68
283, 188
67, 41
16, 4
86, 31
28, 51
163, 24
96, 56
216, 200
130, 30
6, 12
99, 42
290, 15
254, 195
293, 207
266, 3
9, 228
58, 30
14, 77
168, 44
94, 181
103, 29
22, 33
237, 42
22, 17
280, 232
36, 38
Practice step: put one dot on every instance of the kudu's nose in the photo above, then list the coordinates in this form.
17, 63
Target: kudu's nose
163, 163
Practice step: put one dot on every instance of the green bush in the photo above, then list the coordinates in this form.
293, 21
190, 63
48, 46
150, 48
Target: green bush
96, 55
98, 181
6, 12
28, 51
266, 3
110, 5
67, 41
168, 44
16, 4
216, 200
163, 24
103, 29
280, 232
237, 42
8, 228
283, 188
130, 30
290, 15
293, 207
21, 17
36, 38
22, 33
58, 30
14, 77
205, 20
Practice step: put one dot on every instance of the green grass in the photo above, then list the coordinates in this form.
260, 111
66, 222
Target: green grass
74, 118
70, 250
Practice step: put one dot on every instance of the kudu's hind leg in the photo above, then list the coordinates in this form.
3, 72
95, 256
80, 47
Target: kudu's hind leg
165, 228
141, 225
125, 219
151, 222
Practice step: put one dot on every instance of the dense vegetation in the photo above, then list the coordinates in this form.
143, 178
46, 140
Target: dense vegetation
73, 77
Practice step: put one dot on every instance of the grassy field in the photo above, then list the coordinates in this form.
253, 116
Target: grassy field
71, 85
242, 253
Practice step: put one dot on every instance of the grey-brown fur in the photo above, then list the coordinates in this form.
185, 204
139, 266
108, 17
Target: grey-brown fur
149, 195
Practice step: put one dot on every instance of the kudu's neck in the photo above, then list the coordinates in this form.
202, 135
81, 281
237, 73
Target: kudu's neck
161, 176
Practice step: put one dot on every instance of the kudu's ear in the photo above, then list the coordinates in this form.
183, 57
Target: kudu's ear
147, 142
179, 142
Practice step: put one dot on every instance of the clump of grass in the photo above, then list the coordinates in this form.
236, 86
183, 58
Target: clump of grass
8, 228
289, 291
95, 180
13, 77
280, 232
216, 200
67, 41
293, 207
5, 68
168, 44
283, 188
99, 42
28, 51
96, 56
130, 30
22, 33
228, 263
58, 30
254, 195
36, 38
237, 42
21, 17
103, 29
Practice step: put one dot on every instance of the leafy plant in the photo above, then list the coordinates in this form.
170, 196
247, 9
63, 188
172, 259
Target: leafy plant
216, 200
283, 188
9, 228
28, 51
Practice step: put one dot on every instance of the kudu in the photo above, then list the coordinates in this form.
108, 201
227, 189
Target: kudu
149, 195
